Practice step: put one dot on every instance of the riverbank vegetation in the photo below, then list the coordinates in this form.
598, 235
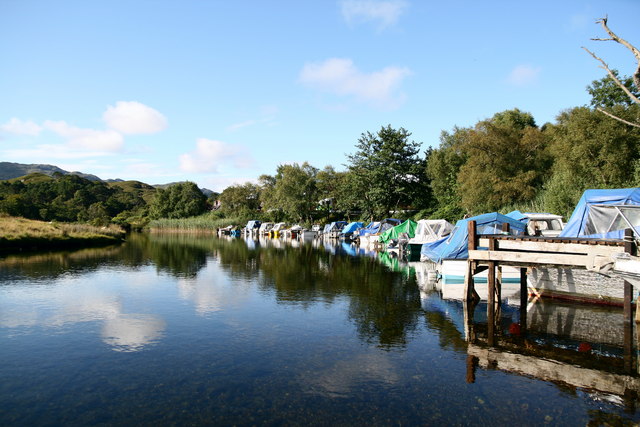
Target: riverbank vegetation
25, 234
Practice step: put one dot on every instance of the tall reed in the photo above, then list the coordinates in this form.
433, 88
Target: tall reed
205, 222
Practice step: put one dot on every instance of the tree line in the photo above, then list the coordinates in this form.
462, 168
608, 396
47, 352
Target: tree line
71, 198
501, 163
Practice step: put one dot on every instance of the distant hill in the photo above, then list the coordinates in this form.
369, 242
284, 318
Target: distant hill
10, 170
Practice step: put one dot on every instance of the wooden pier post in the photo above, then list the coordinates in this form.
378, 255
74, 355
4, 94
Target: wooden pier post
491, 297
524, 299
469, 308
469, 288
628, 307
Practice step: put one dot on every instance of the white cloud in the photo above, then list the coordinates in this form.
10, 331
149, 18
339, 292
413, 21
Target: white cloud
342, 77
130, 117
524, 75
385, 13
267, 115
86, 139
210, 154
19, 127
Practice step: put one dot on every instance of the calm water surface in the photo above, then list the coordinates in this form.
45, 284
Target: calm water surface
198, 330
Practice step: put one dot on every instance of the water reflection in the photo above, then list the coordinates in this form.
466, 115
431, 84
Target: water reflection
212, 290
132, 332
342, 377
211, 273
222, 327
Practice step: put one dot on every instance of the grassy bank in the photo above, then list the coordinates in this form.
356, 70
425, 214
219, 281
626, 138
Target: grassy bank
206, 222
24, 234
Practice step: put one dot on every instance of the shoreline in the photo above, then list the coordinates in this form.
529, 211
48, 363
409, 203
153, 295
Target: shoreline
20, 235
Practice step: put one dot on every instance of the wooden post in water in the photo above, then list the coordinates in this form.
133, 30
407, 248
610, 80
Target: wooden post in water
469, 308
491, 297
628, 309
524, 300
469, 289
472, 366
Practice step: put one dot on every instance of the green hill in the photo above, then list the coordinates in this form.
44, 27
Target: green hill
10, 170
138, 188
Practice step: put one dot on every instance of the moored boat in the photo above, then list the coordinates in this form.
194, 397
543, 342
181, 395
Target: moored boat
350, 231
370, 235
427, 231
450, 253
252, 227
600, 214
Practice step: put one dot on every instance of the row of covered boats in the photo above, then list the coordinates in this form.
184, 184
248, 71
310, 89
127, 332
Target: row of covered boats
600, 214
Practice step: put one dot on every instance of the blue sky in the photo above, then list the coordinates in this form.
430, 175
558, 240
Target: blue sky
220, 92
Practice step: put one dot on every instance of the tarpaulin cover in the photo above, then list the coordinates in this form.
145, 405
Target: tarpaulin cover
584, 223
372, 228
352, 227
518, 216
388, 223
456, 245
409, 227
337, 225
429, 230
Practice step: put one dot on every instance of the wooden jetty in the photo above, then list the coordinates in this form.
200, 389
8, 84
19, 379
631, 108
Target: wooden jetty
524, 252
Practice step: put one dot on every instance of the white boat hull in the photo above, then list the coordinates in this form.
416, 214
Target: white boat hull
576, 284
452, 276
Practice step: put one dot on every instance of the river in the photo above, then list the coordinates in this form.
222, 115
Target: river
196, 330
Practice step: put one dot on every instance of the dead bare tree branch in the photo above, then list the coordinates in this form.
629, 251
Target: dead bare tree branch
614, 77
606, 113
623, 42
636, 76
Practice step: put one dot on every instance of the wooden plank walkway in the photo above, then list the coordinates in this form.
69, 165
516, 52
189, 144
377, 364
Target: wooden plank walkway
528, 251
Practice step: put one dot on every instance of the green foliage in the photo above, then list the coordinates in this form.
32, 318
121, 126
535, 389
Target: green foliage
606, 93
386, 171
295, 190
179, 200
443, 167
241, 198
514, 119
506, 162
209, 221
65, 198
591, 150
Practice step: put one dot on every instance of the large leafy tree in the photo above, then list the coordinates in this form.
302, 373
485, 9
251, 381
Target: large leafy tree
506, 162
179, 200
385, 170
240, 198
268, 199
591, 150
443, 166
296, 190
